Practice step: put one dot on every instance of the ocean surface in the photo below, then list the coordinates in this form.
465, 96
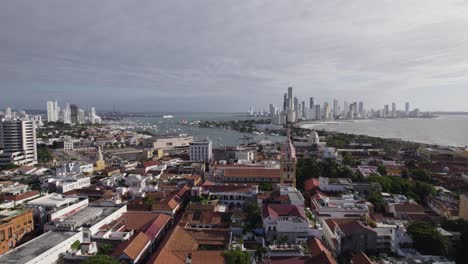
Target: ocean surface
219, 136
446, 130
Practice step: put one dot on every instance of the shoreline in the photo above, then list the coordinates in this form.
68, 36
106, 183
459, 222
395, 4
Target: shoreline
331, 130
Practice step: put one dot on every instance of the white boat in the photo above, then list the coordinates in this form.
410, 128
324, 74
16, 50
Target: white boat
168, 116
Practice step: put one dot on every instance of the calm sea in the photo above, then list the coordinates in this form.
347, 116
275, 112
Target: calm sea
219, 136
448, 130
451, 130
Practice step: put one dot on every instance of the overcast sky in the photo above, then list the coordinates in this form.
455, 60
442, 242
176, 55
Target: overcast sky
219, 55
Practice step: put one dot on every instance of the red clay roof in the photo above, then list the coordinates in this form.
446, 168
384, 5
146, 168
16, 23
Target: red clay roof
133, 247
157, 225
288, 260
252, 173
276, 210
20, 197
361, 258
208, 257
409, 207
311, 184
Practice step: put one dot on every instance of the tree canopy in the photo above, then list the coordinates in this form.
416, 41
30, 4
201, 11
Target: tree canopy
414, 189
253, 216
44, 155
312, 168
427, 240
236, 257
100, 259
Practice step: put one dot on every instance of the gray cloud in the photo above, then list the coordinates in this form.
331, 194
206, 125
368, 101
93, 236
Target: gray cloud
226, 55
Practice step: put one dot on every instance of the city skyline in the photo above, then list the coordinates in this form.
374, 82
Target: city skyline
189, 57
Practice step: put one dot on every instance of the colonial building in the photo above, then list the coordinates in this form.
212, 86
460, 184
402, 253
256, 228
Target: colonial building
285, 222
288, 163
13, 226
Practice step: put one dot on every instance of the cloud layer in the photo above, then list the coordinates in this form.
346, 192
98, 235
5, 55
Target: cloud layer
220, 55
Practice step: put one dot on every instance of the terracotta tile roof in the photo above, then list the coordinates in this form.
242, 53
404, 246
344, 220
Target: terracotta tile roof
252, 173
361, 258
157, 225
276, 210
325, 257
409, 208
230, 188
150, 163
133, 247
353, 226
208, 183
20, 197
315, 246
311, 184
208, 257
347, 226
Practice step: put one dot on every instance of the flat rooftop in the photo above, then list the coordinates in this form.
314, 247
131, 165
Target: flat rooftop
40, 244
35, 247
53, 200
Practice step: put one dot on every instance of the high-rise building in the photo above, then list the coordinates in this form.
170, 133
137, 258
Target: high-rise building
52, 111
385, 112
8, 112
346, 109
303, 108
74, 114
326, 111
393, 110
81, 116
311, 103
290, 99
336, 108
18, 140
272, 110
66, 114
285, 102
296, 104
361, 109
317, 112
407, 109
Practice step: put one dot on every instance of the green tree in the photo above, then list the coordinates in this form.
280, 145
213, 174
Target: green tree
410, 164
382, 170
9, 166
75, 245
236, 257
265, 186
427, 240
422, 190
421, 175
260, 253
253, 216
377, 200
100, 259
44, 155
105, 248
347, 159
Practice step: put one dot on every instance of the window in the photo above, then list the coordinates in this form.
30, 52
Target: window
10, 232
2, 235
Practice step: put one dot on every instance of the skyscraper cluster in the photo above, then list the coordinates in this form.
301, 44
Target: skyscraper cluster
293, 109
71, 114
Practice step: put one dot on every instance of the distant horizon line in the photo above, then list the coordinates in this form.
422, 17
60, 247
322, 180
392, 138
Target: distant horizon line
212, 112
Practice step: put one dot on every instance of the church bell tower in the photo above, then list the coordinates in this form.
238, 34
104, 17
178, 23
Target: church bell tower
288, 162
